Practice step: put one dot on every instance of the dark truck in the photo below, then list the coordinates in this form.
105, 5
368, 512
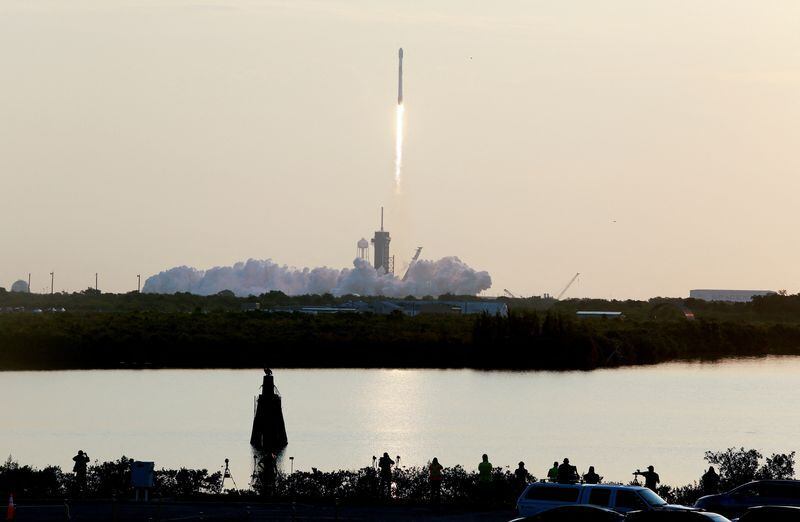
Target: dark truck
758, 493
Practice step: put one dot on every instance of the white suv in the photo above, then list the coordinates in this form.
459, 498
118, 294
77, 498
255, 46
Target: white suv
541, 496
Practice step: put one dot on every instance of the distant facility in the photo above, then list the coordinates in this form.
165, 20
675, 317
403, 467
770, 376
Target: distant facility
415, 308
412, 308
592, 314
729, 296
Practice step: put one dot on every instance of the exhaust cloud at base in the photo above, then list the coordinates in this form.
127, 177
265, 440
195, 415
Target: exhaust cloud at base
448, 275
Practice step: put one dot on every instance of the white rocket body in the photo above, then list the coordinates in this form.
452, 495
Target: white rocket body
400, 79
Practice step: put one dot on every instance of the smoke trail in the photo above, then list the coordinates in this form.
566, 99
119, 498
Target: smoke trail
398, 153
448, 275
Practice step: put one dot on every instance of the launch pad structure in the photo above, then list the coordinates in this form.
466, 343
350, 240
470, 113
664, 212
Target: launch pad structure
384, 262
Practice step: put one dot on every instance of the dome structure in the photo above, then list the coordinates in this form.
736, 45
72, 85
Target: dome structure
20, 286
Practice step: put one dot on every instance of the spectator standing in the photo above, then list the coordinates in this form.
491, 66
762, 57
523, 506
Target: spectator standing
435, 477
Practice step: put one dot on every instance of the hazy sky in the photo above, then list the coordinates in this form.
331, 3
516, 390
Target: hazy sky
652, 146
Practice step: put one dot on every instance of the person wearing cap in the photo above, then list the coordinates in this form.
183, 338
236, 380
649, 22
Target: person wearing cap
81, 460
651, 478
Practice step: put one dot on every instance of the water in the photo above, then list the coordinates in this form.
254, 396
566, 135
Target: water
617, 420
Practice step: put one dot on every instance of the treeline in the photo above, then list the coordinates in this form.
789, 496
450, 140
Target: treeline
103, 480
772, 308
92, 301
523, 340
410, 485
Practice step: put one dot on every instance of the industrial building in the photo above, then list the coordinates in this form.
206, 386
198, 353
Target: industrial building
601, 314
411, 308
414, 308
728, 296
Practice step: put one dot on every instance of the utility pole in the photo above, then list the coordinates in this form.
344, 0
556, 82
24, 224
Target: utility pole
29, 282
138, 283
95, 280
52, 278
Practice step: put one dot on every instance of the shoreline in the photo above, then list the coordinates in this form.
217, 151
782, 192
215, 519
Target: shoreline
522, 341
723, 359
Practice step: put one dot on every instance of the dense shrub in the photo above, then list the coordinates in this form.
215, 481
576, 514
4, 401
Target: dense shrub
29, 482
409, 484
738, 466
186, 483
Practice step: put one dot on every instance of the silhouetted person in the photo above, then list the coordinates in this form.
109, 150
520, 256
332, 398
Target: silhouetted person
710, 482
591, 477
385, 464
521, 475
435, 477
81, 460
651, 478
268, 472
552, 474
567, 474
485, 478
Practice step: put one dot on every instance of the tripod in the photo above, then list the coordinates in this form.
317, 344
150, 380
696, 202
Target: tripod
226, 474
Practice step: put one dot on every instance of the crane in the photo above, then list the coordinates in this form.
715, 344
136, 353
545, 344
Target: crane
413, 260
510, 293
564, 291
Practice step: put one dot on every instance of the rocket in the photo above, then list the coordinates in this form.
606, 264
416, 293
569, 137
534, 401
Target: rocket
400, 79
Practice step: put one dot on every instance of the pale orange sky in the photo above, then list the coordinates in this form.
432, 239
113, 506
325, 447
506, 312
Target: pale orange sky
650, 145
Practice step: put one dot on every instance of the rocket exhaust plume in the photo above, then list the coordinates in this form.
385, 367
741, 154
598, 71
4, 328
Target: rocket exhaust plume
398, 160
448, 275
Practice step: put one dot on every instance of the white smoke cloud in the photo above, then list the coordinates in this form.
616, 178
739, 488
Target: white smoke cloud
256, 276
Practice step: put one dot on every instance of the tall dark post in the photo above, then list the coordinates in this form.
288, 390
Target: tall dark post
52, 278
95, 280
138, 283
269, 430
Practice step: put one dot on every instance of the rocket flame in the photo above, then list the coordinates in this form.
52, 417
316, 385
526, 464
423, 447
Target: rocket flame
398, 160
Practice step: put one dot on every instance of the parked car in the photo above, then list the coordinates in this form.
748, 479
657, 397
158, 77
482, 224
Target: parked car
674, 516
541, 496
575, 514
757, 493
771, 514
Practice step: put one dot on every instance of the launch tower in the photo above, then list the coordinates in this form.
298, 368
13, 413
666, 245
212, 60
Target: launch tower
380, 246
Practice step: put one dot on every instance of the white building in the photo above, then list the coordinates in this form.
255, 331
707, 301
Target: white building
730, 296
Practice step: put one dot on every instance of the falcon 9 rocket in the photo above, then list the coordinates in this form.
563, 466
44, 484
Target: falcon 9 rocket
400, 79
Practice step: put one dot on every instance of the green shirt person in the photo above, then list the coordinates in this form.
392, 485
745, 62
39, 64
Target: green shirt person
485, 470
552, 475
